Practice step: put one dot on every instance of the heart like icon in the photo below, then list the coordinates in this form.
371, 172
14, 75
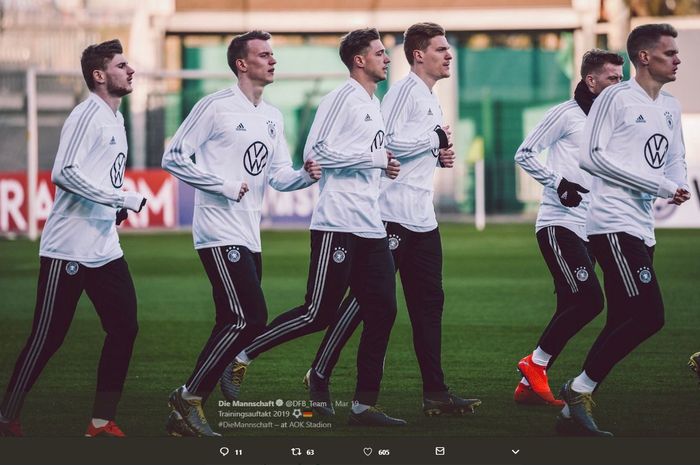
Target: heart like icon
367, 451
224, 451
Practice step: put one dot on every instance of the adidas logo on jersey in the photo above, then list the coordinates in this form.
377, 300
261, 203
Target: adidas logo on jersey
113, 141
368, 118
240, 127
640, 119
430, 112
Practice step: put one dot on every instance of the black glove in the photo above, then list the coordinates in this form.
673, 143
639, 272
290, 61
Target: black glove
569, 193
442, 137
122, 214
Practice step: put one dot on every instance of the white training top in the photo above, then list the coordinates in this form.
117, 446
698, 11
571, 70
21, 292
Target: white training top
347, 140
89, 174
411, 112
633, 146
223, 142
561, 130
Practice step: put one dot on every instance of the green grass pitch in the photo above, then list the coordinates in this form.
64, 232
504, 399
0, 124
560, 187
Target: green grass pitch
498, 299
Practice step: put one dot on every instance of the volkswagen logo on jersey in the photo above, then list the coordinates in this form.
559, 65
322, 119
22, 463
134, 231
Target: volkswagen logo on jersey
233, 255
72, 268
271, 130
378, 141
394, 241
644, 275
655, 150
339, 254
581, 274
117, 171
255, 158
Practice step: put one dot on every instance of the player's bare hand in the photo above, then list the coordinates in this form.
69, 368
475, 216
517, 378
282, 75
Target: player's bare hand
448, 132
680, 196
447, 158
313, 168
393, 166
244, 189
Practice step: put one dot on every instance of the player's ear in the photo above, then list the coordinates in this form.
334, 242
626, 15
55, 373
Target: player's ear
644, 57
418, 56
589, 80
359, 61
241, 65
98, 76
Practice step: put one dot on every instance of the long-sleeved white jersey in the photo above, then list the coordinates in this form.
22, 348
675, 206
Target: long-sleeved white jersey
89, 173
561, 130
411, 112
633, 146
223, 142
347, 140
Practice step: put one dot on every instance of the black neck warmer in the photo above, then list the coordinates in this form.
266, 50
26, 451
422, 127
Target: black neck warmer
584, 97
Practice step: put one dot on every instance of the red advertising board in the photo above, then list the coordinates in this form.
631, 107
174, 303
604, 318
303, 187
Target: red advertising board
156, 185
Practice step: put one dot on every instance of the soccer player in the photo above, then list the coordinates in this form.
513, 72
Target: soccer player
79, 249
349, 245
229, 148
633, 146
561, 221
416, 136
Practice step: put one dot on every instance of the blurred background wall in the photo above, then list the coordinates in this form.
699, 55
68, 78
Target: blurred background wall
513, 60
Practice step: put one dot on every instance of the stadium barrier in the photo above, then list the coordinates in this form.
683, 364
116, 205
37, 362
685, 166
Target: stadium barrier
170, 202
